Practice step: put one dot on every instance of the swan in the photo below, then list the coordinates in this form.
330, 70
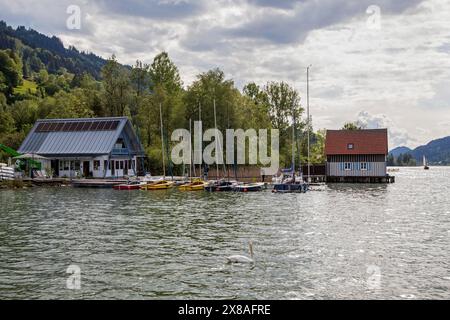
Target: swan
242, 259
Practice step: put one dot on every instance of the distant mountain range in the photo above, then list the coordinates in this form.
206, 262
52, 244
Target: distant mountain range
437, 152
39, 51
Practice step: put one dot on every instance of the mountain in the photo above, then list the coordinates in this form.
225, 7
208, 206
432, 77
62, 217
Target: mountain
437, 152
39, 51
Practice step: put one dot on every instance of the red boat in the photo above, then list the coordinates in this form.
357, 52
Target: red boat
128, 186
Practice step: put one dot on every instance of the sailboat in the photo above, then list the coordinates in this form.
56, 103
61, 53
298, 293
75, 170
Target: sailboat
194, 184
425, 165
289, 182
160, 184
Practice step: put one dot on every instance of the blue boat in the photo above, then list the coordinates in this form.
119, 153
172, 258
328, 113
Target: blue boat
290, 183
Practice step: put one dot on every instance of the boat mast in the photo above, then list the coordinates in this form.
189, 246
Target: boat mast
308, 122
162, 142
217, 142
190, 148
200, 173
293, 141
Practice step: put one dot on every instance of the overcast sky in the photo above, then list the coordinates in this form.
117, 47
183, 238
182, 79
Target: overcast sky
388, 69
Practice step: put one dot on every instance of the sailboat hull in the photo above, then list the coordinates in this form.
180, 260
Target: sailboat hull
290, 188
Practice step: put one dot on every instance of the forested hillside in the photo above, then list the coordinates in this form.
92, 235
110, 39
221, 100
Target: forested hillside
41, 52
40, 78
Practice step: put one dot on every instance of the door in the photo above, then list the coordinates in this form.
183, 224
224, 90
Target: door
86, 168
55, 168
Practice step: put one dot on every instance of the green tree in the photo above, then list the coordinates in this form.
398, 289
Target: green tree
10, 71
164, 72
116, 82
6, 119
352, 126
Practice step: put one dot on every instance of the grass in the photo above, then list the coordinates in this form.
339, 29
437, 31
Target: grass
26, 87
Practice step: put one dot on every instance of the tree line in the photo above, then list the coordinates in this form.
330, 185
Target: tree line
138, 92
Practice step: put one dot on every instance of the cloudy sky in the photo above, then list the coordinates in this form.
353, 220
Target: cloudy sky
385, 62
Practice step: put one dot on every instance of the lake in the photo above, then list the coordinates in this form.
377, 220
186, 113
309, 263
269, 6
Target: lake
342, 241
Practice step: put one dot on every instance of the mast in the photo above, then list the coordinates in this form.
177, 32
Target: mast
309, 120
200, 173
293, 142
190, 148
162, 141
217, 142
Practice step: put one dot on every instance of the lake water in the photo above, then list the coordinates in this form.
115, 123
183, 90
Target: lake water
342, 241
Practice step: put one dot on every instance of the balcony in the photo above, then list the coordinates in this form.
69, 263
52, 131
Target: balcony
120, 151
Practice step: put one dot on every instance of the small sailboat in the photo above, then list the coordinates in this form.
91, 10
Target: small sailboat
195, 185
162, 184
220, 186
158, 185
425, 165
289, 182
131, 185
249, 187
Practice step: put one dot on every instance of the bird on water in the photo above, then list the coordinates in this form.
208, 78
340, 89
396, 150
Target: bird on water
241, 258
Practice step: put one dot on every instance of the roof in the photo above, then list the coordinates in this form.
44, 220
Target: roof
87, 136
374, 141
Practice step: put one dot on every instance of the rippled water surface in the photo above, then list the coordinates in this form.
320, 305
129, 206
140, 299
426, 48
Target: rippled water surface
343, 241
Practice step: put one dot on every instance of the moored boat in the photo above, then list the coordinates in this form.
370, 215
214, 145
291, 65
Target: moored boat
158, 185
220, 186
133, 185
249, 187
289, 183
195, 185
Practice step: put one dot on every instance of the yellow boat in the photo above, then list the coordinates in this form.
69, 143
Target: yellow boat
158, 185
196, 185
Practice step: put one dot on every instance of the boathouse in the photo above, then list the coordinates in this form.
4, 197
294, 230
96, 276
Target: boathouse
357, 156
91, 147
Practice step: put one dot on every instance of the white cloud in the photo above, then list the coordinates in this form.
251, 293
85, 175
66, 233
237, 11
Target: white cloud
398, 136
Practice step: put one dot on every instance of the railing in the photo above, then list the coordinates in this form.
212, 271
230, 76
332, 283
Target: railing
121, 151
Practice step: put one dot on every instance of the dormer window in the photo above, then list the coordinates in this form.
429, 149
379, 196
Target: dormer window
350, 146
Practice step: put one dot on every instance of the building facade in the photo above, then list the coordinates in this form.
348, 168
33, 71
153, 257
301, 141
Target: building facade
356, 155
91, 147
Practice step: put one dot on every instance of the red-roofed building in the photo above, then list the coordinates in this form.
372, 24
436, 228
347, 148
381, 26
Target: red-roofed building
356, 153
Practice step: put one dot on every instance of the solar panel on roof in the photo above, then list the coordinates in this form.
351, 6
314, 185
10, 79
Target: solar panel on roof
101, 126
95, 126
52, 126
74, 126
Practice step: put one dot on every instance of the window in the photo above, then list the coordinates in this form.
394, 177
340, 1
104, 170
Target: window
105, 164
347, 166
129, 164
117, 165
77, 165
350, 146
121, 165
96, 165
66, 165
364, 166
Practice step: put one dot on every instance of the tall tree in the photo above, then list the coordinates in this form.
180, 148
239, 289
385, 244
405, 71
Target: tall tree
116, 82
